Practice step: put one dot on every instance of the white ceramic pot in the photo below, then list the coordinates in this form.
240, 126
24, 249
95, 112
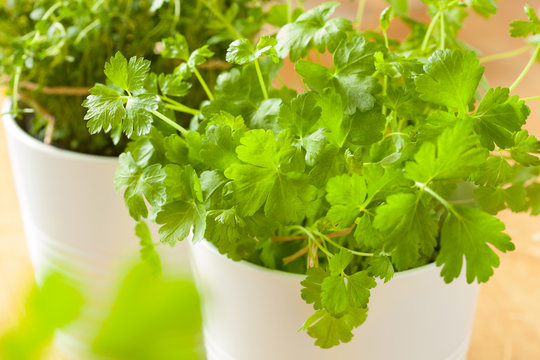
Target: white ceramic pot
76, 224
251, 312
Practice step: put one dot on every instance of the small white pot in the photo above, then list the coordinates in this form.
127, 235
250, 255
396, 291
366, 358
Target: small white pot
251, 312
76, 224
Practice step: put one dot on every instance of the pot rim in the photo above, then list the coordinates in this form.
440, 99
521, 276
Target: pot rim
212, 248
13, 129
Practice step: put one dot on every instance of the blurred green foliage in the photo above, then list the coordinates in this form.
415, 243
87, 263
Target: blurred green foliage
152, 318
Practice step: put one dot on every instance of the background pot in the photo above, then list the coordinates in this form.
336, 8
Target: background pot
76, 224
251, 312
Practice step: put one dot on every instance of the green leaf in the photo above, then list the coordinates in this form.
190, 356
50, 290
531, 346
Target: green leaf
385, 18
520, 28
486, 8
127, 76
105, 109
175, 48
381, 267
301, 114
311, 286
334, 296
271, 176
138, 119
499, 117
139, 184
226, 229
199, 57
177, 219
358, 286
338, 262
148, 251
367, 127
219, 147
241, 51
331, 331
456, 155
494, 172
408, 227
451, 79
173, 85
468, 233
333, 118
347, 196
525, 146
366, 235
401, 7
312, 29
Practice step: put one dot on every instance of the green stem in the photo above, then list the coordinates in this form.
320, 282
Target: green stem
51, 10
170, 122
203, 84
506, 55
15, 90
527, 68
178, 106
531, 98
312, 238
434, 194
386, 39
222, 18
86, 30
289, 11
443, 32
261, 80
357, 253
430, 30
360, 13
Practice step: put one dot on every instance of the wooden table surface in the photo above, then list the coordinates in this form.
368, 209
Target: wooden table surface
507, 323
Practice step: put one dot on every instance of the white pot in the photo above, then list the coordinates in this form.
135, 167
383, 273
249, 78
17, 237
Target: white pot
251, 312
76, 224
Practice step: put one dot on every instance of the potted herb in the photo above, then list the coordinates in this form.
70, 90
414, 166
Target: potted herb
51, 52
347, 193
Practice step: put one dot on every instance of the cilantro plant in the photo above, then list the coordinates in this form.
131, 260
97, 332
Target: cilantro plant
52, 52
347, 181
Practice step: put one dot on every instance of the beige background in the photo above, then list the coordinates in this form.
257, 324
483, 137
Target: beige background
507, 323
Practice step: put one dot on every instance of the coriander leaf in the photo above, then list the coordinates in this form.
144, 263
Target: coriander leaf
241, 52
105, 109
278, 15
316, 76
486, 8
331, 331
385, 18
175, 48
225, 119
127, 76
338, 262
178, 217
330, 162
173, 85
451, 79
148, 251
312, 29
401, 7
408, 227
225, 230
271, 176
358, 286
334, 297
366, 235
468, 232
525, 146
199, 57
356, 56
311, 290
347, 196
520, 28
533, 197
489, 199
367, 127
138, 119
139, 184
494, 172
381, 267
498, 117
435, 124
333, 118
456, 155
300, 114
219, 147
